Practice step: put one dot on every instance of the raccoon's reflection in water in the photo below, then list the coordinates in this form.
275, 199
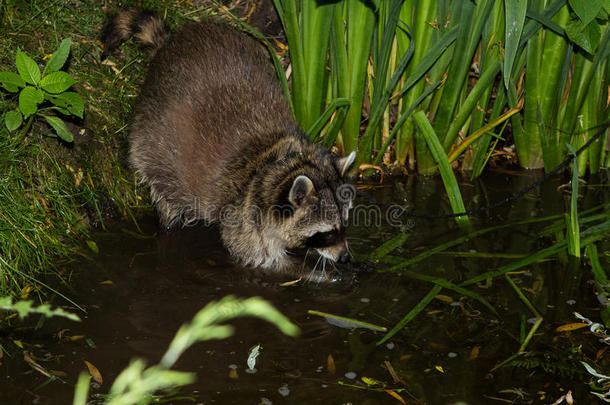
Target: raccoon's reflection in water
173, 275
309, 266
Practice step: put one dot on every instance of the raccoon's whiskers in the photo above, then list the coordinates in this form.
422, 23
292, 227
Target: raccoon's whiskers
305, 259
312, 276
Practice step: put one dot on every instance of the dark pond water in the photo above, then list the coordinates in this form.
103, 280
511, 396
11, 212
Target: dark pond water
139, 290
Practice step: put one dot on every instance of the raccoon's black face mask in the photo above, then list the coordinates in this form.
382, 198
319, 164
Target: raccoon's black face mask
322, 213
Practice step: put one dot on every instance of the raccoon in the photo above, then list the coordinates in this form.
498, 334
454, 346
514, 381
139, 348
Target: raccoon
213, 136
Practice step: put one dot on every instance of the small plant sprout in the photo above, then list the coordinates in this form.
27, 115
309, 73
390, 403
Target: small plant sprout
41, 94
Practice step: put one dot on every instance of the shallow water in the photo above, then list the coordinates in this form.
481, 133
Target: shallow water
138, 291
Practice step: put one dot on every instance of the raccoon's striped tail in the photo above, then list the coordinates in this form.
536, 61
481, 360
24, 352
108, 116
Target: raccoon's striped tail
145, 25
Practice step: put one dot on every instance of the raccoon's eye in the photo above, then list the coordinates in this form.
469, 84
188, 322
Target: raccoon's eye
323, 239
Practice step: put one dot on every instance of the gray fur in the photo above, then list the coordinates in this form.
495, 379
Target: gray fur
214, 138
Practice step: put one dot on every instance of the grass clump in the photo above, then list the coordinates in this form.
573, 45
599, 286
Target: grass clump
52, 190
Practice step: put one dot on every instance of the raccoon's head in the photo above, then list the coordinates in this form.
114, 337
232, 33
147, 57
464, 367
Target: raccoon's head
321, 200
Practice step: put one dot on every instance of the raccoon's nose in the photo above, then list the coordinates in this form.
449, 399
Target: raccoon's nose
343, 257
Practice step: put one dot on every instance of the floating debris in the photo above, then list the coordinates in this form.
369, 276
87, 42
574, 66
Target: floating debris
343, 322
254, 353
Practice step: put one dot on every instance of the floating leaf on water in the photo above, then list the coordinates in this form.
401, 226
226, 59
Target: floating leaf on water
93, 246
76, 337
594, 373
95, 373
18, 343
474, 353
344, 322
371, 381
571, 326
107, 282
598, 355
233, 374
395, 395
330, 365
289, 283
439, 368
254, 352
351, 375
284, 390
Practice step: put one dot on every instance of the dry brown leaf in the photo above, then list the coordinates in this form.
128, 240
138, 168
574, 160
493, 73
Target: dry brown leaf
571, 326
395, 395
330, 365
598, 355
474, 353
444, 298
289, 283
95, 373
28, 359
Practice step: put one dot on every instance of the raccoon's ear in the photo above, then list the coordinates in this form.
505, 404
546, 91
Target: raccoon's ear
344, 163
301, 188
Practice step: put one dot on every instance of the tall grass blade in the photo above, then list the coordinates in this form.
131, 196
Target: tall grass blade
359, 30
317, 126
412, 314
449, 180
515, 19
403, 118
469, 35
573, 235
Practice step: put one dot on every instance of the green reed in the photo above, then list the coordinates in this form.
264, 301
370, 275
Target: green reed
469, 66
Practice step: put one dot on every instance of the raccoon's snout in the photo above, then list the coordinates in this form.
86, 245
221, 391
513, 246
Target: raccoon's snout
336, 253
344, 257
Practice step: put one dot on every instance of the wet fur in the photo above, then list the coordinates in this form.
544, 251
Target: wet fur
212, 135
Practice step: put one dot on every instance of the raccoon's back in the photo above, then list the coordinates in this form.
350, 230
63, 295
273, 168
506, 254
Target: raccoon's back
210, 97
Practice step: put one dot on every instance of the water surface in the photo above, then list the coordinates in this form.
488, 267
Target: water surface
140, 288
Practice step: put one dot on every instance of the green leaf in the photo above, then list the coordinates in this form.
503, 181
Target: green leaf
58, 59
24, 308
70, 102
57, 82
515, 18
13, 120
60, 128
586, 10
29, 100
388, 246
27, 68
11, 81
587, 37
447, 175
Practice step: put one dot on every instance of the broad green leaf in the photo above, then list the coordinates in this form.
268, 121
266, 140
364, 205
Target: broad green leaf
27, 68
60, 128
11, 81
58, 59
586, 10
515, 18
70, 102
57, 82
29, 100
13, 120
587, 37
24, 308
